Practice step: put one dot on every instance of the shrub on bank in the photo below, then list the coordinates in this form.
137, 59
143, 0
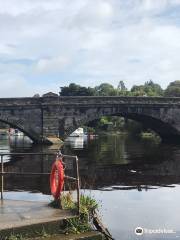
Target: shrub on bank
82, 222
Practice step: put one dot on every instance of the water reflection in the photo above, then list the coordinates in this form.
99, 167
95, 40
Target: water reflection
77, 142
136, 181
19, 140
109, 162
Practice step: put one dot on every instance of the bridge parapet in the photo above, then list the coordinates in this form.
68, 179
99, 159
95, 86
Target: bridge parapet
117, 100
87, 100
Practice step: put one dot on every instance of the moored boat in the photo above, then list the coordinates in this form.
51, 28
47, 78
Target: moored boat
15, 132
78, 133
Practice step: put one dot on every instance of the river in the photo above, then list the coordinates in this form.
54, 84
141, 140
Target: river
136, 182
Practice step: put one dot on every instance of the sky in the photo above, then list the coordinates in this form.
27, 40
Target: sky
47, 44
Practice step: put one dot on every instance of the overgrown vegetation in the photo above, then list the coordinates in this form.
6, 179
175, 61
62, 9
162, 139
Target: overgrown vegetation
81, 223
15, 237
41, 234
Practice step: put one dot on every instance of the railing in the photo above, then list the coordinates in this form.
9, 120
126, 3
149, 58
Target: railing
73, 158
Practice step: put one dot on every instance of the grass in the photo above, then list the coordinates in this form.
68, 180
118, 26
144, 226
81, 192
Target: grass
41, 234
15, 237
81, 223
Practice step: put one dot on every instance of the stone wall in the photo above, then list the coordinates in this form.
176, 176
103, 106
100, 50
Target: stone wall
45, 118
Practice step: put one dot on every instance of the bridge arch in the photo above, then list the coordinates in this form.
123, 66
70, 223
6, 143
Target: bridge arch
18, 124
148, 118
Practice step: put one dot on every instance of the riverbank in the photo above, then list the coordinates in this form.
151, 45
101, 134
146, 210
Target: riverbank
142, 135
36, 220
30, 219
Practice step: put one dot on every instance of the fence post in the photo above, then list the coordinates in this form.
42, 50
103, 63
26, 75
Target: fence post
78, 185
2, 177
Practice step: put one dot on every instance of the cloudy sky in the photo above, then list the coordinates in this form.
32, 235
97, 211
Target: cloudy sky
45, 44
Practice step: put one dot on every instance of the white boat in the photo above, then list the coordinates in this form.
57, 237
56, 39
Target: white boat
78, 133
77, 139
15, 132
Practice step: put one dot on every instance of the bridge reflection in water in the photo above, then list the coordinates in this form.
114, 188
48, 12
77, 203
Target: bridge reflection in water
107, 162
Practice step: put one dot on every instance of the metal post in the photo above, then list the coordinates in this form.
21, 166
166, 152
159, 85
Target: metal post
78, 185
2, 177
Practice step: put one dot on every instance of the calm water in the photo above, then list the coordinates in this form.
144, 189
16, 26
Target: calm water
135, 182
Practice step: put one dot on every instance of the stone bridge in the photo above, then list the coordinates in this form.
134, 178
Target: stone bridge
47, 118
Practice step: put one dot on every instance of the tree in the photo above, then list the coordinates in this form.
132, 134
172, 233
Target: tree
150, 89
138, 90
153, 89
105, 89
173, 89
122, 90
121, 86
76, 90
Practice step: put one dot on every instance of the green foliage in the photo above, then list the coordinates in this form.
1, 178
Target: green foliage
112, 123
149, 89
138, 90
105, 89
153, 89
76, 90
40, 234
87, 205
173, 90
81, 223
15, 237
104, 121
67, 201
76, 225
43, 233
121, 86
